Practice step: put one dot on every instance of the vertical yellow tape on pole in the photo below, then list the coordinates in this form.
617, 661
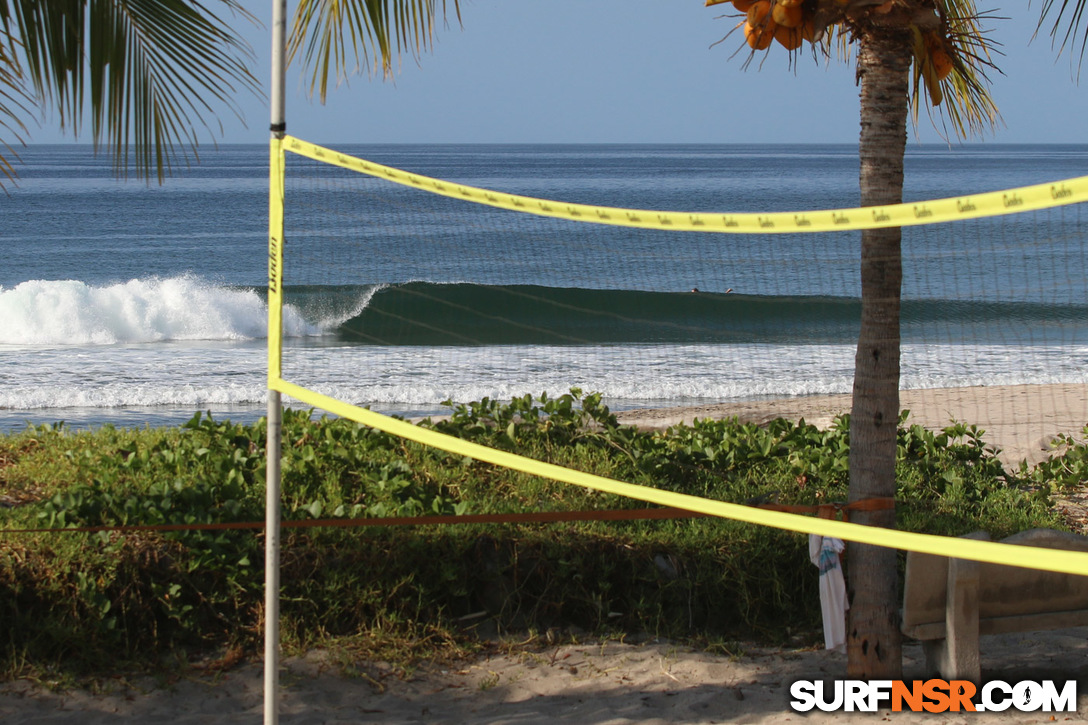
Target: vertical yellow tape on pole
275, 261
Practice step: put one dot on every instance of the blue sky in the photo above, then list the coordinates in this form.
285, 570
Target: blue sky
632, 71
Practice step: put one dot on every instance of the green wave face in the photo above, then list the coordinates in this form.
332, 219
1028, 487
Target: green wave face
423, 313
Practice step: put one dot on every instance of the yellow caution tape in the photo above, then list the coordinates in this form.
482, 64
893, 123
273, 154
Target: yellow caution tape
1027, 198
1069, 562
1011, 201
275, 258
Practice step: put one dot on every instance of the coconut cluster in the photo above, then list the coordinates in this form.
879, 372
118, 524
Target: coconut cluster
790, 22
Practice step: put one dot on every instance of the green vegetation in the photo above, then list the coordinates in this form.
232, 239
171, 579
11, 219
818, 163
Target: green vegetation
109, 599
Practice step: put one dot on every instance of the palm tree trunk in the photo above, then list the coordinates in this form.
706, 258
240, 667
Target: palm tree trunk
873, 641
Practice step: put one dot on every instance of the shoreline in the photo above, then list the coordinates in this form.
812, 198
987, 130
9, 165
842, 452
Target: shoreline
1019, 419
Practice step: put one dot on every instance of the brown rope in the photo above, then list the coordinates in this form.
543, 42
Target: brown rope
830, 510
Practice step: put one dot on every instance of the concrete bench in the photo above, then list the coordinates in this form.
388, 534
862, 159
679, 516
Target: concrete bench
949, 603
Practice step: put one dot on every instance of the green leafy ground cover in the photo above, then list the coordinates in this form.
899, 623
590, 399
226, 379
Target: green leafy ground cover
85, 602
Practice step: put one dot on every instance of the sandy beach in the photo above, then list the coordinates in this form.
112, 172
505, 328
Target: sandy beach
604, 684
1021, 420
616, 682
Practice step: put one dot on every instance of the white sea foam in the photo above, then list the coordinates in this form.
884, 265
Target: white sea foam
387, 377
71, 312
145, 394
52, 382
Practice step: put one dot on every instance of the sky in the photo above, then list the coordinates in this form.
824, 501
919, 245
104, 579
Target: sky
632, 71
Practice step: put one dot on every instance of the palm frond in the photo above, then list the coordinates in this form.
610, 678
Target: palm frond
340, 38
48, 36
149, 73
961, 101
15, 104
967, 104
1073, 14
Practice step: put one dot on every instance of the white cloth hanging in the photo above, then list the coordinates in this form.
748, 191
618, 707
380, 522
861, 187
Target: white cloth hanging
823, 551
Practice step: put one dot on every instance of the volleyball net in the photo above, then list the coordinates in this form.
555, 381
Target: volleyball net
393, 291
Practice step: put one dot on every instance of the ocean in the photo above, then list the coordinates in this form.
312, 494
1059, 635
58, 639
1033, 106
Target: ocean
132, 304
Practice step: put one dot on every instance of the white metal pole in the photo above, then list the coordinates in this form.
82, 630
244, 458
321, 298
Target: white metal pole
279, 68
275, 419
272, 562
